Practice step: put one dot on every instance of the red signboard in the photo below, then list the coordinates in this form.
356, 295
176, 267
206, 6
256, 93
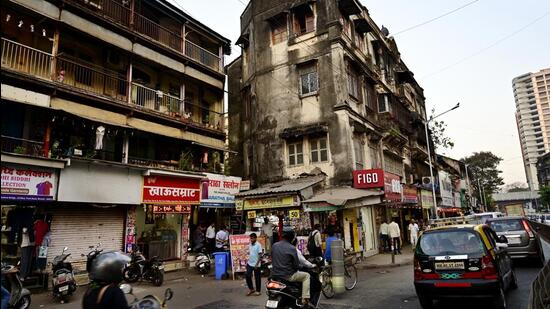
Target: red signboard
410, 194
171, 190
171, 209
365, 179
392, 187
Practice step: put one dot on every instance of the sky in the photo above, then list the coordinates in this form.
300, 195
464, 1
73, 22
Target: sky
469, 56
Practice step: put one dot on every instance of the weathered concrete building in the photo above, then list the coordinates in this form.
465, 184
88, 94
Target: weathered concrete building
319, 86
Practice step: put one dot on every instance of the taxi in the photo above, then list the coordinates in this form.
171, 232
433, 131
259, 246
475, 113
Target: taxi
462, 260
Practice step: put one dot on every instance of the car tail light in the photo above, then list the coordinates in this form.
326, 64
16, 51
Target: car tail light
420, 275
528, 228
275, 285
488, 268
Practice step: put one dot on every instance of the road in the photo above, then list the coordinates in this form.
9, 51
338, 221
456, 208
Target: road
383, 288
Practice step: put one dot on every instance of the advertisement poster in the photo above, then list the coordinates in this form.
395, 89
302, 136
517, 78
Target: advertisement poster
170, 190
446, 189
301, 244
410, 195
392, 187
427, 199
130, 228
238, 246
28, 184
220, 190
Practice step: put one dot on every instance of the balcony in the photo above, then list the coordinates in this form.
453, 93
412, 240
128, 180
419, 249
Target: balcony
26, 59
22, 146
120, 13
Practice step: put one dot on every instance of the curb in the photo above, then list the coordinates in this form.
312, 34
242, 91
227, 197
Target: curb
375, 266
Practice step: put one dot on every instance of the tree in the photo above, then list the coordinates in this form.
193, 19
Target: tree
484, 174
439, 138
517, 186
544, 193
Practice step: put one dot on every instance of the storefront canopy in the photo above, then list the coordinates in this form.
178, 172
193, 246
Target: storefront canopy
344, 197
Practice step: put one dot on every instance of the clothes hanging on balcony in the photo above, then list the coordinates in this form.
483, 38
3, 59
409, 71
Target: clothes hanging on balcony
99, 133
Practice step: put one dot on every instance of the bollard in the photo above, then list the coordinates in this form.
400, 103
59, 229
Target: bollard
337, 252
392, 252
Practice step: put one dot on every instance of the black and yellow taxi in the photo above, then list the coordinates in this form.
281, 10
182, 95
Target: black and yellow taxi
462, 260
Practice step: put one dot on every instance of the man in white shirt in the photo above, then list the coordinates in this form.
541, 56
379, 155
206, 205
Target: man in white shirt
211, 237
413, 233
267, 230
395, 234
222, 239
384, 236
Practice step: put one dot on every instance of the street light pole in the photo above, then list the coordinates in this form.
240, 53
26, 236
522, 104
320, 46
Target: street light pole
426, 123
468, 184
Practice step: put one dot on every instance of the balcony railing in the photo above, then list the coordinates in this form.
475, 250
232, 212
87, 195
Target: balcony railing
161, 102
22, 146
118, 12
25, 59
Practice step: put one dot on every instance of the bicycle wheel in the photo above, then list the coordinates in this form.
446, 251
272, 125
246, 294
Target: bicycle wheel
326, 284
350, 276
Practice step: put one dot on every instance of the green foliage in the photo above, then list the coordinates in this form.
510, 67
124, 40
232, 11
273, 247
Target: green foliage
438, 134
483, 166
185, 162
20, 150
544, 193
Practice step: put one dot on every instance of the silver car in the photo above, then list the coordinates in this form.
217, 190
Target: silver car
523, 240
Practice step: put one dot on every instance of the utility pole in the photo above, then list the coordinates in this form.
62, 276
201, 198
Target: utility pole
468, 185
480, 195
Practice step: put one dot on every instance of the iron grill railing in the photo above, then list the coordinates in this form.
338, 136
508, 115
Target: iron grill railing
201, 55
157, 32
25, 59
22, 146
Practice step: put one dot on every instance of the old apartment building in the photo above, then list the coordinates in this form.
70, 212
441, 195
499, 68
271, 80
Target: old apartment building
99, 99
320, 87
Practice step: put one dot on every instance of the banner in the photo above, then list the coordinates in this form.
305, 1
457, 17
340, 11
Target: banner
410, 194
446, 189
238, 247
392, 187
426, 198
170, 190
220, 190
21, 183
271, 202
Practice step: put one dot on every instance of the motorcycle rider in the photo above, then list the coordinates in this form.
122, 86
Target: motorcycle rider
286, 263
106, 273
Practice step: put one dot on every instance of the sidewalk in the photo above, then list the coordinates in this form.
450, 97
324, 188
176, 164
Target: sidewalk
383, 260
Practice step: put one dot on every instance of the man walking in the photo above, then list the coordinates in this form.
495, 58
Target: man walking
395, 234
267, 230
211, 237
413, 233
314, 242
384, 238
253, 265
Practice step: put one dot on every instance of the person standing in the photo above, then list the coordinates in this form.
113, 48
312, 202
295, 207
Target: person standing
314, 242
253, 266
267, 230
222, 239
384, 237
413, 233
211, 237
395, 234
331, 237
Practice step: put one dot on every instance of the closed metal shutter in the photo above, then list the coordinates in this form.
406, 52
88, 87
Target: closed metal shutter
78, 227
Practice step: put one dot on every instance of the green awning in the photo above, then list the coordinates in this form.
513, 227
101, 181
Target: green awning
320, 208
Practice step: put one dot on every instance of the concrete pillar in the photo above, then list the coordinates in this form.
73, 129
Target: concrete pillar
337, 255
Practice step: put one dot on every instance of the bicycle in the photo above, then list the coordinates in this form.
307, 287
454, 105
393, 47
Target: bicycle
350, 276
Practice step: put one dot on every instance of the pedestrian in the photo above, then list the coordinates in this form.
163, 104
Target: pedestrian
222, 239
211, 237
331, 237
253, 266
107, 272
267, 230
413, 233
314, 242
395, 234
198, 237
384, 238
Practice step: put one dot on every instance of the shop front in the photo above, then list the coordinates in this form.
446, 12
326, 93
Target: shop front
217, 204
162, 221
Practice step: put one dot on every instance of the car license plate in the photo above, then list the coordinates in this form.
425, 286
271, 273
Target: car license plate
63, 288
272, 304
449, 265
514, 240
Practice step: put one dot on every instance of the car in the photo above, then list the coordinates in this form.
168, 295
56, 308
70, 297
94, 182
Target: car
545, 219
463, 260
523, 241
480, 218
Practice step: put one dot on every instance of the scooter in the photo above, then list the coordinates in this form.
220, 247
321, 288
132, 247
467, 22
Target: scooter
141, 268
90, 257
202, 260
149, 301
63, 281
20, 298
282, 293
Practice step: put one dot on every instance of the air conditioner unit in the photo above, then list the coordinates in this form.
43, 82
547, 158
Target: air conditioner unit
427, 181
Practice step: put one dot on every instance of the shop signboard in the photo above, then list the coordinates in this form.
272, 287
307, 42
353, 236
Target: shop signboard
410, 195
392, 187
457, 199
245, 185
171, 190
28, 183
251, 214
220, 190
171, 209
366, 179
445, 189
271, 202
238, 247
294, 214
426, 198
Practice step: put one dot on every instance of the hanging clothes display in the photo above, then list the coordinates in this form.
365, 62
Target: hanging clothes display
27, 251
99, 133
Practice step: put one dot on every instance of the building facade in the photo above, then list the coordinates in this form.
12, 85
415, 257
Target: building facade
320, 88
532, 96
112, 113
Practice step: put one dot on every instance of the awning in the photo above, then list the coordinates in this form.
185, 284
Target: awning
90, 113
346, 197
281, 187
322, 207
312, 129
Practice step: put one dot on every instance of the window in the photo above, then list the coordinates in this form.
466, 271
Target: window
309, 80
279, 31
353, 82
370, 98
384, 103
319, 152
296, 153
358, 150
303, 19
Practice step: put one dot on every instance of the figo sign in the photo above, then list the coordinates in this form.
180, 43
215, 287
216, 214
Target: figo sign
365, 179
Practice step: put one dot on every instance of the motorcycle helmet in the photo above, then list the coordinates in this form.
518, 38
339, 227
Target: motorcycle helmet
108, 267
289, 234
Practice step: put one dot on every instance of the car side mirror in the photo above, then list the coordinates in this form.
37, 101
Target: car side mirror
502, 239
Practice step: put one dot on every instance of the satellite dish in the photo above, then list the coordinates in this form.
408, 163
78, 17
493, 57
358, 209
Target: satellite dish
385, 31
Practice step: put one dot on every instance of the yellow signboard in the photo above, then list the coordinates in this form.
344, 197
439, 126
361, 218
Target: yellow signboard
251, 214
270, 202
294, 214
239, 205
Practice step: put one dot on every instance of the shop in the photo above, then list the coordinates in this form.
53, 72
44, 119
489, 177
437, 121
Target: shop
163, 219
217, 203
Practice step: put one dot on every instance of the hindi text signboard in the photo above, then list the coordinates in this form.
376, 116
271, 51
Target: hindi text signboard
170, 190
21, 183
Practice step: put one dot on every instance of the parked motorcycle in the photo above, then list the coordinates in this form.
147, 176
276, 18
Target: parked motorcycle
141, 268
95, 251
149, 301
285, 294
265, 264
202, 260
20, 298
63, 281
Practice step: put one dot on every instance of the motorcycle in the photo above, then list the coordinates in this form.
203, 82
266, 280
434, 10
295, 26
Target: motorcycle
202, 260
95, 251
265, 264
63, 281
149, 301
282, 293
20, 298
141, 268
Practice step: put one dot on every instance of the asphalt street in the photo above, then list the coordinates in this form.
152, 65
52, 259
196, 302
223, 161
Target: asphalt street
382, 288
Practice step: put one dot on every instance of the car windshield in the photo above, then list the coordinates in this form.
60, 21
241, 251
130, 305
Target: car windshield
451, 242
506, 225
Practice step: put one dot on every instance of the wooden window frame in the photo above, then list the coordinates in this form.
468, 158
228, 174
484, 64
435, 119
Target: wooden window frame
294, 154
315, 147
